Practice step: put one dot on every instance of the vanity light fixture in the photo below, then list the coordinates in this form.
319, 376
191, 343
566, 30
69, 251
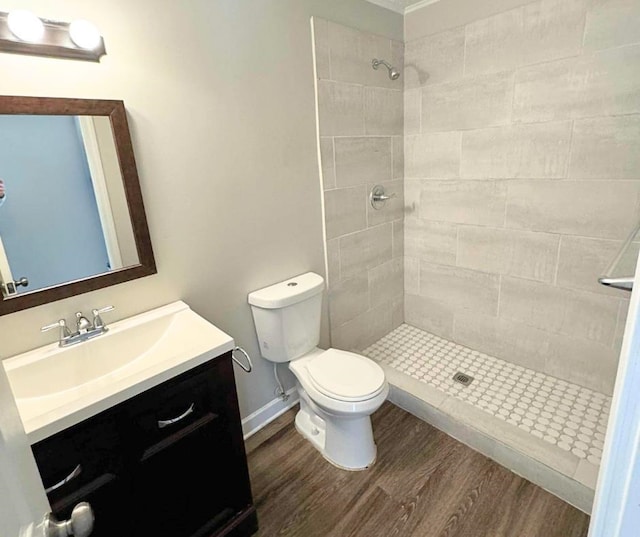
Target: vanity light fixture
84, 34
22, 32
25, 25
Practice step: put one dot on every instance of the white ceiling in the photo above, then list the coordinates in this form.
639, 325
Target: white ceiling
403, 6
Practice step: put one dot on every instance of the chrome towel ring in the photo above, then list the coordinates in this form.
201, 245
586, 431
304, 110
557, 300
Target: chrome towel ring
245, 368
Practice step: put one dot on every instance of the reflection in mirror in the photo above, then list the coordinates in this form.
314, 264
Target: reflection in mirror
71, 213
64, 215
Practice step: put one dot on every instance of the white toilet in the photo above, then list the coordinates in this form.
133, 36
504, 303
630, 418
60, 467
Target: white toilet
338, 390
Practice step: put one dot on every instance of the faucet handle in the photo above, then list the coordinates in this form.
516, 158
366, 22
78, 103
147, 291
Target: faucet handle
97, 320
62, 325
82, 323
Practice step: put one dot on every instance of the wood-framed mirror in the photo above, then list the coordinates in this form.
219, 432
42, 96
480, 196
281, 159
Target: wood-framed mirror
72, 218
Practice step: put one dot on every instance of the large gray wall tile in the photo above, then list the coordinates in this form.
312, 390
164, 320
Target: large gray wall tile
383, 111
362, 160
341, 109
584, 362
397, 313
351, 53
411, 276
365, 249
412, 191
345, 46
398, 238
464, 202
562, 311
598, 84
328, 163
512, 341
460, 289
587, 208
467, 104
583, 260
397, 149
526, 254
321, 47
412, 104
363, 330
386, 282
434, 59
348, 298
381, 48
431, 241
606, 148
612, 23
536, 150
429, 315
333, 261
432, 155
345, 210
537, 32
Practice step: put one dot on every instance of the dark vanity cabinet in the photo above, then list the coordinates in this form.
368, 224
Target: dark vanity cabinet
168, 462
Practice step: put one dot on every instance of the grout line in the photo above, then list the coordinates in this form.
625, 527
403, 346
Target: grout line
584, 30
335, 167
557, 267
570, 151
499, 295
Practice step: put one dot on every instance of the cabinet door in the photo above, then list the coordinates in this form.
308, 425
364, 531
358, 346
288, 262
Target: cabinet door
107, 495
180, 484
83, 464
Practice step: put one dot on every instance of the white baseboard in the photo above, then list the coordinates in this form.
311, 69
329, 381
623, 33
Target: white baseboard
269, 412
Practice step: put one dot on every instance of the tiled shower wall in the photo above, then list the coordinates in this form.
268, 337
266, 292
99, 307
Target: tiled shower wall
360, 121
522, 177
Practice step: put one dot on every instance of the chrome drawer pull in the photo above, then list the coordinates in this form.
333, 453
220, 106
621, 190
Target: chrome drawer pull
76, 472
165, 423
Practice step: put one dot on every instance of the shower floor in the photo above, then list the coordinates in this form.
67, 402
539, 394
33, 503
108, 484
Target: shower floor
570, 419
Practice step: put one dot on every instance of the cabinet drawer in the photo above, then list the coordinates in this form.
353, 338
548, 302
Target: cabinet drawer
182, 489
76, 457
174, 410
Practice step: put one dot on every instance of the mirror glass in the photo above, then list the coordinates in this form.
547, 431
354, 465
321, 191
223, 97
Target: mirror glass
71, 213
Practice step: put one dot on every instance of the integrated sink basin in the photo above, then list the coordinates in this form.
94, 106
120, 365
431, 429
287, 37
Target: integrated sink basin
56, 387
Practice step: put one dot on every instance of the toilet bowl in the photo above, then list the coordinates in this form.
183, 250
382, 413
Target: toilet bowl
338, 390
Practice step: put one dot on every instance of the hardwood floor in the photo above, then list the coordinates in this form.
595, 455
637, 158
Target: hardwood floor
424, 484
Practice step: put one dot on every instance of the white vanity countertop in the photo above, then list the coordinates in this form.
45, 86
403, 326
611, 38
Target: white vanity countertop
56, 387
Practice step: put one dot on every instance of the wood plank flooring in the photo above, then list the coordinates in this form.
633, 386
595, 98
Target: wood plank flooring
424, 484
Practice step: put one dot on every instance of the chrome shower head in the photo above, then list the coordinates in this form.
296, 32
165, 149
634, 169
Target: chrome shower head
394, 74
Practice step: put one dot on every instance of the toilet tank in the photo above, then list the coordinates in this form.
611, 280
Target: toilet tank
287, 317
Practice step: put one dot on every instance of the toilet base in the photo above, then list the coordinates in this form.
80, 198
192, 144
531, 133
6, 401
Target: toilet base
345, 442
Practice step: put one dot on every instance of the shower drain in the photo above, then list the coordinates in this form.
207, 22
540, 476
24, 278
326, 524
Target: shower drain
462, 378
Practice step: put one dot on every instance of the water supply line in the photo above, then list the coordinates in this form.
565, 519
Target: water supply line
280, 391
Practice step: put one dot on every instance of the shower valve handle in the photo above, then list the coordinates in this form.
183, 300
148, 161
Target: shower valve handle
378, 198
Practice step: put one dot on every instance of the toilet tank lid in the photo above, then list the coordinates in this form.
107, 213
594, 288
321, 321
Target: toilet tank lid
288, 292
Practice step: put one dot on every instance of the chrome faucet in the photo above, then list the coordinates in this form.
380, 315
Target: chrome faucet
85, 329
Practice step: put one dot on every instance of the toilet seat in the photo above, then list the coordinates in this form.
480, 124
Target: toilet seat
345, 376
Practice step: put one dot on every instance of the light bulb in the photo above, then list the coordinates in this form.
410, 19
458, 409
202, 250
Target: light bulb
25, 25
84, 34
